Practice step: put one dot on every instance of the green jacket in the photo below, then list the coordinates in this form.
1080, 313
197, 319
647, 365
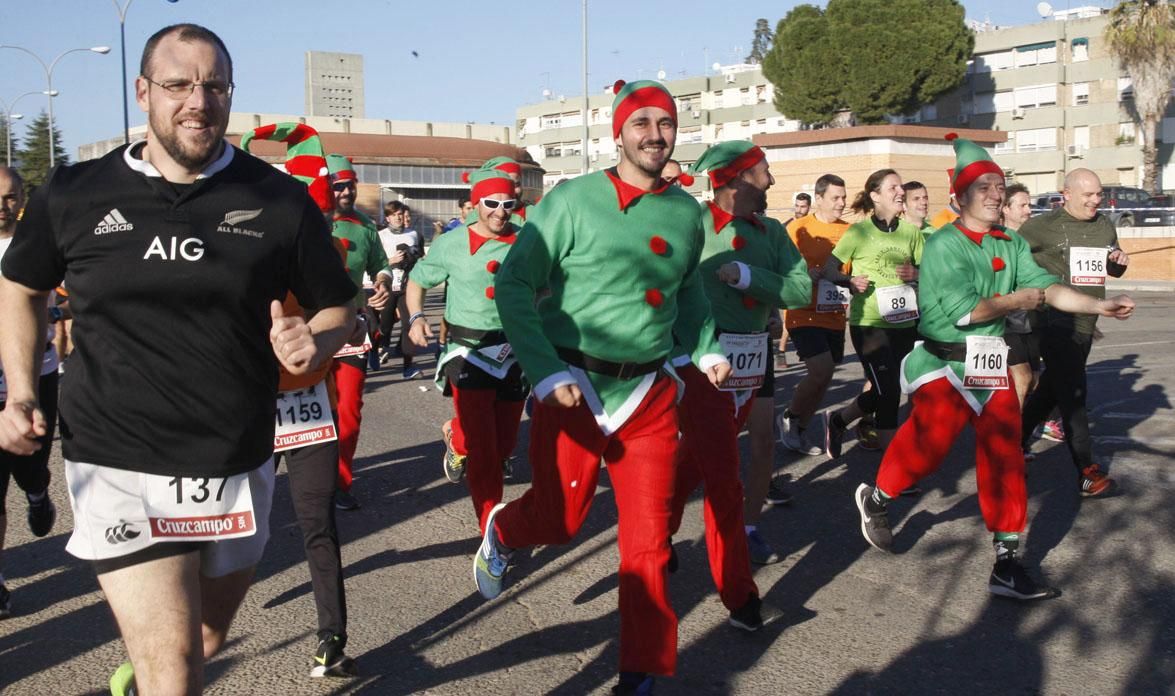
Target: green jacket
468, 275
365, 254
621, 267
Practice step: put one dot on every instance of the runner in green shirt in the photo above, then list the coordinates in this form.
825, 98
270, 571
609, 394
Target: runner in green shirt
884, 252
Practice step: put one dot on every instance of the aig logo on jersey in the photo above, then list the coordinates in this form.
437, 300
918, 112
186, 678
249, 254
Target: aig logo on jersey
113, 222
190, 249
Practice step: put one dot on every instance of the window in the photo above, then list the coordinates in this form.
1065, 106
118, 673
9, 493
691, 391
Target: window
689, 102
1081, 137
929, 112
1036, 54
571, 119
994, 62
761, 93
1080, 93
1039, 95
1004, 101
1125, 89
690, 134
1080, 50
1126, 134
1036, 139
550, 121
1007, 146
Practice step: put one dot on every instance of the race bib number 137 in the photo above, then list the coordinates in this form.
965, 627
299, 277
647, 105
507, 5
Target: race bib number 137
182, 508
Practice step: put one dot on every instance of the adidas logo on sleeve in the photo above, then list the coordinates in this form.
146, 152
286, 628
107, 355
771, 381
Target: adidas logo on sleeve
113, 222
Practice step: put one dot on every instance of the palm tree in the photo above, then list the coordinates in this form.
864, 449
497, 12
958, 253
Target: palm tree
1141, 34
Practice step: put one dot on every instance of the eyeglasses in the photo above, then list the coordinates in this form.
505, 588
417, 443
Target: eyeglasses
180, 90
492, 204
343, 185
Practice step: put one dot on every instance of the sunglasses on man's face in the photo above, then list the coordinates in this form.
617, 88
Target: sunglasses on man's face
343, 185
492, 204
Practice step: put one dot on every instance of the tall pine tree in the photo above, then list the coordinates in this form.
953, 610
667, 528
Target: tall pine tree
34, 156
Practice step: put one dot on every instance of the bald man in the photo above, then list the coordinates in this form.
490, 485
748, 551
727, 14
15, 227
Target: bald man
1079, 244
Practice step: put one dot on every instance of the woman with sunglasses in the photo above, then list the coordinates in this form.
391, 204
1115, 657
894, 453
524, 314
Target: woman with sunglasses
477, 366
884, 251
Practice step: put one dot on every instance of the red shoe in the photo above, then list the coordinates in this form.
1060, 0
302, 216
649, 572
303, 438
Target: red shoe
1095, 484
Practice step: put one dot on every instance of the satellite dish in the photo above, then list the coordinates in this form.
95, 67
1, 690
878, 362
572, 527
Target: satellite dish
660, 74
1044, 9
716, 66
546, 93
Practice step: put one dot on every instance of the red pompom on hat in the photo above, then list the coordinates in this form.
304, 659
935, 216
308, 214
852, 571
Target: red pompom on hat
493, 266
654, 297
465, 177
997, 264
658, 245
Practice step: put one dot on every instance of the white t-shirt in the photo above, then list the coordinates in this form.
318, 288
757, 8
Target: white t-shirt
49, 361
390, 240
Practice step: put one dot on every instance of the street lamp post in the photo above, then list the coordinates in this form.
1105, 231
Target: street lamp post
9, 117
48, 68
126, 117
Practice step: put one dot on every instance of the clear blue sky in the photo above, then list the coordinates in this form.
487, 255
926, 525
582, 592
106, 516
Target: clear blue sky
477, 62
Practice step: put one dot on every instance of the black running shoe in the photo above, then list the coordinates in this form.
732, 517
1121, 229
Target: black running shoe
834, 436
345, 501
5, 602
1010, 580
748, 617
42, 515
874, 519
331, 661
776, 493
634, 684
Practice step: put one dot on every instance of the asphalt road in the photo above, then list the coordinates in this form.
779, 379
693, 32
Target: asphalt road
854, 621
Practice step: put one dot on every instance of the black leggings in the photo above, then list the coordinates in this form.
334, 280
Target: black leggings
312, 471
387, 322
1062, 385
32, 472
881, 352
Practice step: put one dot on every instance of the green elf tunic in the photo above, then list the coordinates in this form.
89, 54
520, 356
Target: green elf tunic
959, 268
877, 254
468, 263
621, 265
772, 274
365, 254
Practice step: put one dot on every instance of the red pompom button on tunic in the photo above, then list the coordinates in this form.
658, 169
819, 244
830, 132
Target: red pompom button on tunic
654, 297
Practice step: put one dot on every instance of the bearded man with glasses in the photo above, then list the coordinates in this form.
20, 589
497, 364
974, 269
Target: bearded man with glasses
176, 252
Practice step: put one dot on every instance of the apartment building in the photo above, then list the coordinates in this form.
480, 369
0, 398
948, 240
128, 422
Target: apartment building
1052, 86
735, 103
334, 84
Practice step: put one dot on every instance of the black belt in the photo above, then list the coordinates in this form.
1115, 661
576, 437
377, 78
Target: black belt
945, 351
626, 370
476, 338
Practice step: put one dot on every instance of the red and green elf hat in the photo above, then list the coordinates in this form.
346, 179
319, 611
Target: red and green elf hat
341, 168
631, 96
489, 181
503, 164
724, 161
304, 157
971, 162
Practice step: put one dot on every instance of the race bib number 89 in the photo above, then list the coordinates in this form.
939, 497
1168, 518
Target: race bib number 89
897, 303
181, 508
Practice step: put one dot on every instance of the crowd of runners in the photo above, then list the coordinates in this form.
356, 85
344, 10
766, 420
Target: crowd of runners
221, 320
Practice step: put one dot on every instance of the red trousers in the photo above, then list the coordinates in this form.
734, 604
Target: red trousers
937, 418
709, 454
566, 445
349, 380
485, 431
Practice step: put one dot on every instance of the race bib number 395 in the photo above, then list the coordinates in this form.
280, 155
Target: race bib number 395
181, 508
831, 297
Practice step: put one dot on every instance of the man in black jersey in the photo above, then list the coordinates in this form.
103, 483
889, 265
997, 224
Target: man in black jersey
176, 252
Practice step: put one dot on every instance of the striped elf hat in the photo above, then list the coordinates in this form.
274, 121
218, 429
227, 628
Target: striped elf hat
631, 96
484, 182
971, 162
724, 161
503, 164
305, 160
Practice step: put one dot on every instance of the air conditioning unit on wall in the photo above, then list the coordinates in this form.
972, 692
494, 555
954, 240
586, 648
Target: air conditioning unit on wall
1019, 113
1075, 151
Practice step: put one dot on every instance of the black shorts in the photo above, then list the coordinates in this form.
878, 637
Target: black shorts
465, 375
811, 341
1023, 348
